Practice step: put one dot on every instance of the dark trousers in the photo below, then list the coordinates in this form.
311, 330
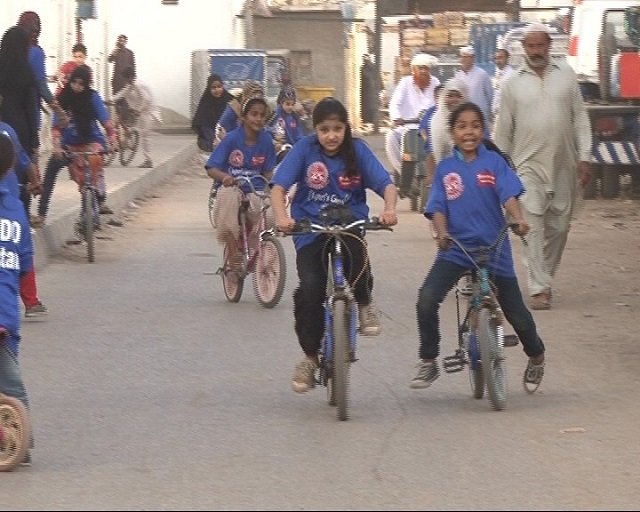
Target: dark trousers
440, 279
308, 298
54, 166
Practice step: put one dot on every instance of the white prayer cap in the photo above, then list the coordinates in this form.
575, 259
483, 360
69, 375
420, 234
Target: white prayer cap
424, 59
467, 50
537, 27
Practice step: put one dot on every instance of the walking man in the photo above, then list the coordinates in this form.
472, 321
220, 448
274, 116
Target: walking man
544, 127
369, 89
478, 81
501, 75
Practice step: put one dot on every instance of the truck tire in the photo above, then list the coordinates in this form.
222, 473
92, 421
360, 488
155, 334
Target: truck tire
606, 50
610, 181
590, 191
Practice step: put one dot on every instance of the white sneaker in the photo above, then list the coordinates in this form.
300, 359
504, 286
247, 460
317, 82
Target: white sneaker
369, 320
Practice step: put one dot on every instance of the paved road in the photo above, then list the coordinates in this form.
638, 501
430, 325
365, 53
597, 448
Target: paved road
150, 391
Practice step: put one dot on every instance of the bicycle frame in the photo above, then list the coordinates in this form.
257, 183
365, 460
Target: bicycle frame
89, 210
339, 342
480, 332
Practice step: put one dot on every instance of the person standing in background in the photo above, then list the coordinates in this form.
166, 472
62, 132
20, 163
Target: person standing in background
544, 127
478, 82
212, 103
122, 58
370, 85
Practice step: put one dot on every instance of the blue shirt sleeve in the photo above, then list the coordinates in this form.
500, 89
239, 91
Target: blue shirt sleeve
228, 120
37, 63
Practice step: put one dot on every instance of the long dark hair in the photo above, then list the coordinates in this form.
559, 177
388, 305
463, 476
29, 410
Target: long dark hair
332, 108
79, 104
210, 108
7, 153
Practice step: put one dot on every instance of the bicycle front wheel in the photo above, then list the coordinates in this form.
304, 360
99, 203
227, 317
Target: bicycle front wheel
231, 280
341, 357
270, 273
489, 334
87, 223
129, 146
211, 204
14, 432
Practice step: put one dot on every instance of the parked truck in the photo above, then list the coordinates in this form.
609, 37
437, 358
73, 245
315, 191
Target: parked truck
603, 50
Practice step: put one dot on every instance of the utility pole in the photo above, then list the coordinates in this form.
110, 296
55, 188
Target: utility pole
378, 53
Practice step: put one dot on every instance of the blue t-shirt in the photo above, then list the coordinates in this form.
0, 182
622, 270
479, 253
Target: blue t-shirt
10, 180
70, 133
37, 63
471, 195
16, 257
229, 120
290, 123
320, 181
235, 157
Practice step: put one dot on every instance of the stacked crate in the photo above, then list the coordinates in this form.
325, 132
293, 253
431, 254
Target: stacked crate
412, 38
451, 23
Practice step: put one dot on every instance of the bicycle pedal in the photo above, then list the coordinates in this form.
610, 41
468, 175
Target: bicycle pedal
453, 364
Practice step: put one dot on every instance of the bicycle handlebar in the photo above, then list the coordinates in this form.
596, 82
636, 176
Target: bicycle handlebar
248, 179
305, 226
483, 252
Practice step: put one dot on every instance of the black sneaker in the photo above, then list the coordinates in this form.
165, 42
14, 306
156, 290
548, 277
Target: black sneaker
427, 373
532, 376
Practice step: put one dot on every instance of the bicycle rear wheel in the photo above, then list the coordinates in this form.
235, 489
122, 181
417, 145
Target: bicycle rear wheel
492, 354
87, 222
130, 146
14, 432
231, 281
270, 273
109, 158
341, 357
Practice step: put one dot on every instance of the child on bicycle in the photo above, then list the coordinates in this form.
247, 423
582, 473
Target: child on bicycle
470, 189
85, 109
247, 149
17, 258
329, 167
285, 125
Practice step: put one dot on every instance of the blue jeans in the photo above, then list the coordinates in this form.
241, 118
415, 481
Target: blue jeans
440, 279
11, 383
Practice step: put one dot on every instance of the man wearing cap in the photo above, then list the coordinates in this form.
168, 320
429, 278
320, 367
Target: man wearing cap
477, 79
414, 94
544, 127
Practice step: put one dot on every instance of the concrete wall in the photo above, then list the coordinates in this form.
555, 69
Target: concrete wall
321, 32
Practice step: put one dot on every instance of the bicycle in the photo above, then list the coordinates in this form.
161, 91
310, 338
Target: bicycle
262, 253
339, 343
127, 137
481, 340
14, 432
15, 428
89, 163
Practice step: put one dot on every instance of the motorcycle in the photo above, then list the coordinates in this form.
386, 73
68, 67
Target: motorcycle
410, 178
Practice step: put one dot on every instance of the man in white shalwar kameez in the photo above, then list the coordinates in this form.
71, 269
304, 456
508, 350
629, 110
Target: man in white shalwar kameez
544, 126
477, 80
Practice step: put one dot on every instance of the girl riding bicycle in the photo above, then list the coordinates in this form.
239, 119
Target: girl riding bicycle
329, 167
246, 149
86, 109
470, 189
285, 125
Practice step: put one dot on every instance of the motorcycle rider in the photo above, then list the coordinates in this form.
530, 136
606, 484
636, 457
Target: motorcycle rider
414, 94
